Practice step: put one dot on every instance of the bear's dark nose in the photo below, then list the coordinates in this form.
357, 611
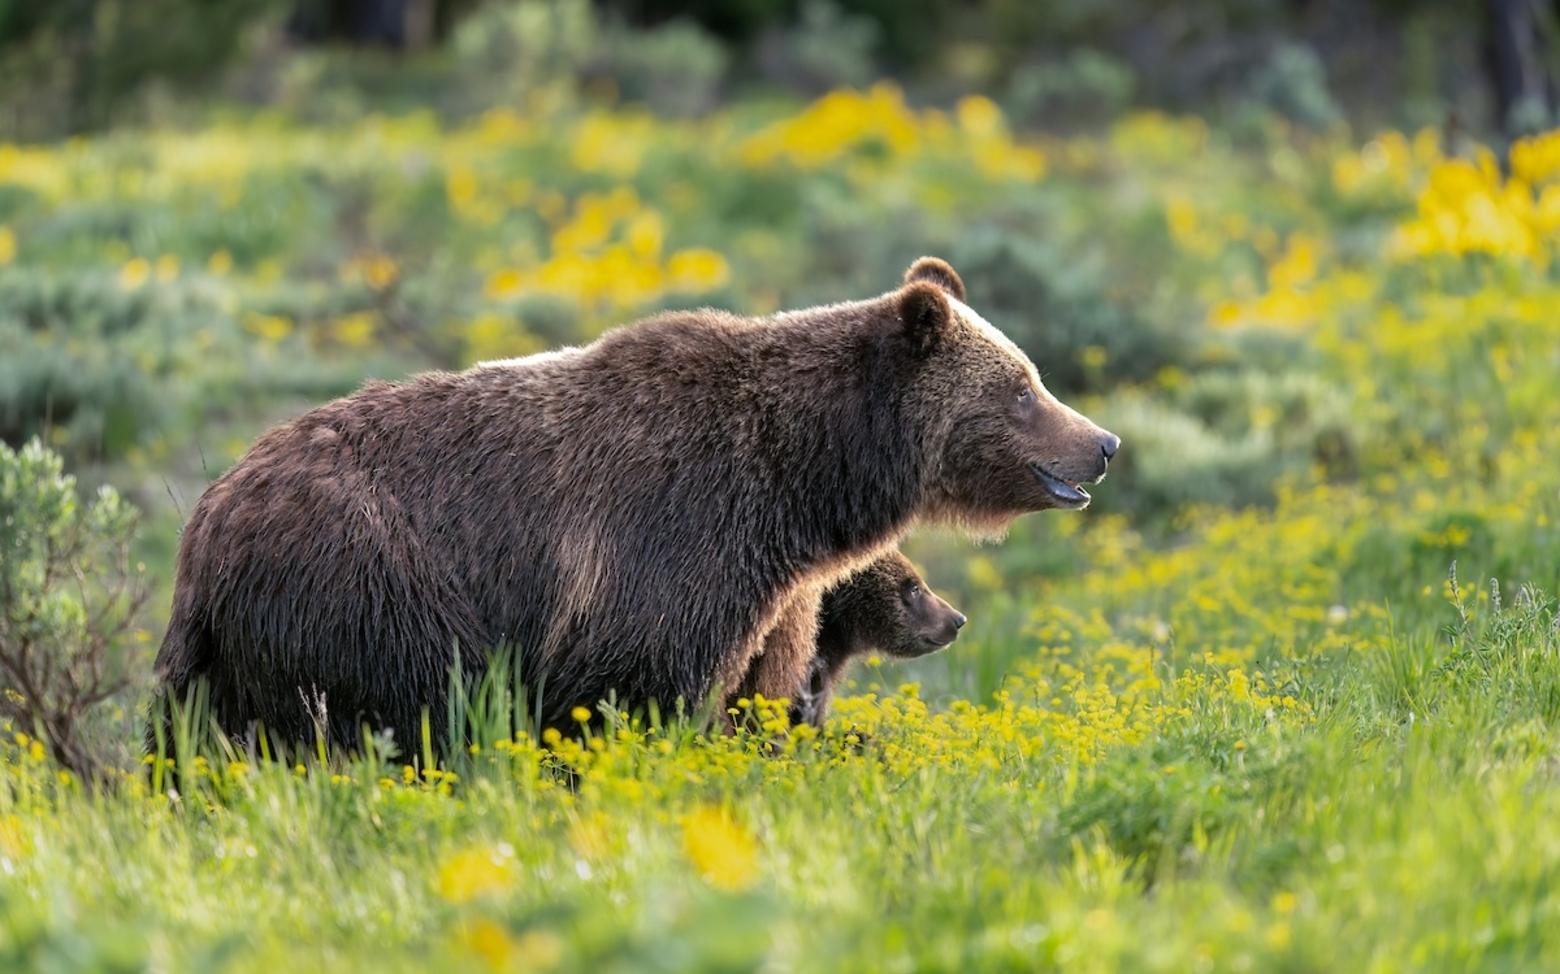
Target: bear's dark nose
959, 619
1109, 444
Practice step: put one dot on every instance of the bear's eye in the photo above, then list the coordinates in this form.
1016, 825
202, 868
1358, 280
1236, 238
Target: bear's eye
1025, 395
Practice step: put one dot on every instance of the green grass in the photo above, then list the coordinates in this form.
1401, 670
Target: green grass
1402, 814
1411, 824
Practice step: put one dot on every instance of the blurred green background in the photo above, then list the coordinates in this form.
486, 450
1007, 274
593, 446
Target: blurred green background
74, 66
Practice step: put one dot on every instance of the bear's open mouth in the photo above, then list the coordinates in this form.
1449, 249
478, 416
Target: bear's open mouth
926, 645
1064, 492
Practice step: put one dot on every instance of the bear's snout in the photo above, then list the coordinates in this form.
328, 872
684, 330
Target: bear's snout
1091, 457
946, 624
1109, 444
952, 626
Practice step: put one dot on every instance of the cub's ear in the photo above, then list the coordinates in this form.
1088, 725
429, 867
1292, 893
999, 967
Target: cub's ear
936, 271
926, 315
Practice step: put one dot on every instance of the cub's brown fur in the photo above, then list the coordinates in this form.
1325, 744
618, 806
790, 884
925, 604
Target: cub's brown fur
632, 516
884, 608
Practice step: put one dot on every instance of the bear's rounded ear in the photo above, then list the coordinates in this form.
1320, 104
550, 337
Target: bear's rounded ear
926, 314
937, 271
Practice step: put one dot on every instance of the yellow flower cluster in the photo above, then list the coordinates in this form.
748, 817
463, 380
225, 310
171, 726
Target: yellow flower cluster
608, 255
838, 123
1469, 207
722, 851
14, 838
475, 873
849, 124
1466, 207
1389, 164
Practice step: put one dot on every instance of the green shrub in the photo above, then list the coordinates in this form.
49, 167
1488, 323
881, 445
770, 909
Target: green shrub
674, 69
66, 368
506, 51
1055, 301
826, 48
67, 66
1228, 437
69, 601
1084, 86
1177, 459
1293, 83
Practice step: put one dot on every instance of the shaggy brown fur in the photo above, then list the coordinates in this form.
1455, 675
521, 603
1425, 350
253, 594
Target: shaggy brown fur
884, 608
780, 665
632, 516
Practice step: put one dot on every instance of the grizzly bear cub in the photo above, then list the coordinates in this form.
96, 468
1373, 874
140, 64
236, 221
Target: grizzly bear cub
886, 607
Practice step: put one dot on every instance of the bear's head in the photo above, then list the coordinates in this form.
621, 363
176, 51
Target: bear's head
890, 609
999, 444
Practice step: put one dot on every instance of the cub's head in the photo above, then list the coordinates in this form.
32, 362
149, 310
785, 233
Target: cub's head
889, 608
1001, 445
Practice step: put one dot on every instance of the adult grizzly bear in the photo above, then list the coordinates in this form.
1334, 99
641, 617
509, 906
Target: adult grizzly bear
633, 516
885, 607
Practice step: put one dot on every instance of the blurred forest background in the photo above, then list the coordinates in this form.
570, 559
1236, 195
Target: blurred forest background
76, 66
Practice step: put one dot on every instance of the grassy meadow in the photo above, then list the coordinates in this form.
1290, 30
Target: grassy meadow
1285, 698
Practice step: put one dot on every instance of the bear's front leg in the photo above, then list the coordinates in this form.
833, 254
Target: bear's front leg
811, 704
780, 669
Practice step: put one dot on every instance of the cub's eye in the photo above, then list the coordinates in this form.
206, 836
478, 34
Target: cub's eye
912, 592
1025, 396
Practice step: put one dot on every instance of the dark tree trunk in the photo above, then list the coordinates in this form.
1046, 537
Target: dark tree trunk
401, 24
1517, 57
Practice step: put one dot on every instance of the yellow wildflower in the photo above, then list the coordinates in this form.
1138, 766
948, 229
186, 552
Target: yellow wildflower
14, 840
134, 273
476, 872
505, 283
272, 328
357, 329
721, 850
697, 269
